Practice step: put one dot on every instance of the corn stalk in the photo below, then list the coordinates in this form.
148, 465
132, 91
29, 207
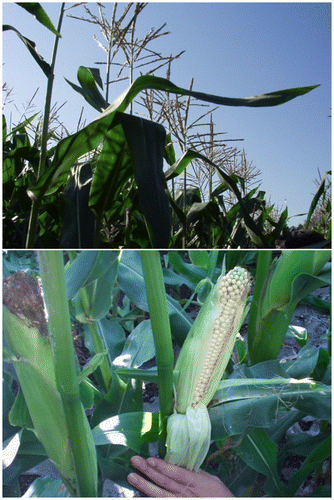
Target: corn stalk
156, 298
42, 353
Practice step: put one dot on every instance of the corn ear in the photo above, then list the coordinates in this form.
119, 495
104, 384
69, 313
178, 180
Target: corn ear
209, 344
201, 365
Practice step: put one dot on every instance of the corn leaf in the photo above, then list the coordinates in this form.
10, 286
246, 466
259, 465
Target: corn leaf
134, 148
150, 375
169, 153
153, 82
138, 347
314, 459
301, 444
113, 335
130, 429
114, 167
101, 299
95, 291
279, 287
304, 364
188, 273
92, 365
201, 259
260, 453
146, 140
22, 463
87, 267
18, 128
31, 46
79, 222
10, 448
88, 78
46, 487
240, 404
304, 284
66, 152
39, 13
131, 281
318, 194
19, 414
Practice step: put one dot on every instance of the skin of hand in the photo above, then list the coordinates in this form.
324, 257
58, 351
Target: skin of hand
166, 480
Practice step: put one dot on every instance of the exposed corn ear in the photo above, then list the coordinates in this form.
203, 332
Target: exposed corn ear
209, 344
201, 365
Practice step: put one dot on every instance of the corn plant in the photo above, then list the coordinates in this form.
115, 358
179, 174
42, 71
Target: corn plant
246, 402
123, 172
319, 216
280, 286
41, 351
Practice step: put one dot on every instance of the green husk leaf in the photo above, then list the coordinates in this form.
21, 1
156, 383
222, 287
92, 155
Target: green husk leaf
46, 411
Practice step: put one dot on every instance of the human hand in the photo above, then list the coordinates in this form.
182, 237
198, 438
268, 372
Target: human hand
168, 480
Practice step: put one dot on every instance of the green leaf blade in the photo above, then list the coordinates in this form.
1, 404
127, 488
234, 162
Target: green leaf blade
153, 82
39, 13
66, 153
129, 429
31, 46
147, 142
260, 453
88, 78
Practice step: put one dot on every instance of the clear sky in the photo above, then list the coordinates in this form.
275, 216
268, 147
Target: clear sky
232, 50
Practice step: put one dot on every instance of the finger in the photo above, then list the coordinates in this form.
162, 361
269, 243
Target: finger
187, 483
139, 463
179, 474
158, 471
146, 487
211, 476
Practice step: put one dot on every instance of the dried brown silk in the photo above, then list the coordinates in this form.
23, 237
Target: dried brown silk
22, 295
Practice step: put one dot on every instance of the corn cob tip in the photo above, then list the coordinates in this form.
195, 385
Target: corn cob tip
234, 285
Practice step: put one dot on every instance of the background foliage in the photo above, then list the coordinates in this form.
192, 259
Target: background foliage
257, 405
107, 186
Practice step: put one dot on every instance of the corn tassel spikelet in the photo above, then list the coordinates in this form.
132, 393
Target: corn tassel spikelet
201, 365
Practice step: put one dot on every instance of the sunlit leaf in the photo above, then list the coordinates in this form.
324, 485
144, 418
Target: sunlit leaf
31, 46
39, 13
153, 82
88, 77
318, 194
130, 429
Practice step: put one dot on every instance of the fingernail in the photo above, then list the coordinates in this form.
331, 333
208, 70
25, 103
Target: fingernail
151, 461
132, 478
136, 460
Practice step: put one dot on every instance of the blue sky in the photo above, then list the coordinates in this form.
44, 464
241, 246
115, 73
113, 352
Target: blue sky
232, 50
